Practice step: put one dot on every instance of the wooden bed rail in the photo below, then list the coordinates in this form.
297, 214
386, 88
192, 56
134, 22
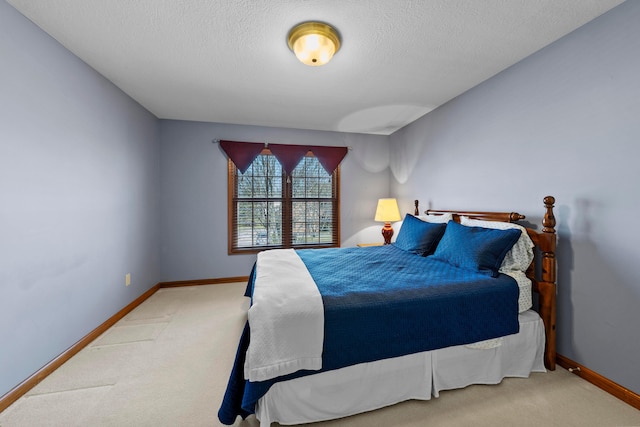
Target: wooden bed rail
542, 270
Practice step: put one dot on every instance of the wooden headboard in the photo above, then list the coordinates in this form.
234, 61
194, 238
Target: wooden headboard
542, 270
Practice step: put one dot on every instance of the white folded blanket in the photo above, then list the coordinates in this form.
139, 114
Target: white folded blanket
286, 318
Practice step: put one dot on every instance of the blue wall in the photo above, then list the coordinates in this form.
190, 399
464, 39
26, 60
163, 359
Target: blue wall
83, 201
92, 187
79, 194
194, 192
565, 122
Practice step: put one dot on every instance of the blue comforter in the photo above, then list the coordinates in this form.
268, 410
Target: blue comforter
383, 302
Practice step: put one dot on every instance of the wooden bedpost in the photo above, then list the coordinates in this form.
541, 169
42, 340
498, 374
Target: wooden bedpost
547, 285
416, 211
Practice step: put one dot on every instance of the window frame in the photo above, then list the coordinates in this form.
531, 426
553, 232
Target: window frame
287, 220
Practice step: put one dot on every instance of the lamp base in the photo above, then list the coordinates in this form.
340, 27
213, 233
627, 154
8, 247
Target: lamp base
387, 233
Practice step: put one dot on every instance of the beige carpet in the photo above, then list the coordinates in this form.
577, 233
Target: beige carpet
167, 363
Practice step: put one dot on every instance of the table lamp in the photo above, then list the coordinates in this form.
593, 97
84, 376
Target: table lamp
387, 211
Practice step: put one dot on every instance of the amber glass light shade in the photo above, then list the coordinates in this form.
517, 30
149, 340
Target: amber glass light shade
314, 43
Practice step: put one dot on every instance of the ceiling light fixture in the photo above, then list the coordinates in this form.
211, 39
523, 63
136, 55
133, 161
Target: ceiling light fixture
314, 43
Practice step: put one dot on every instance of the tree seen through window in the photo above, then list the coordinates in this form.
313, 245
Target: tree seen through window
270, 209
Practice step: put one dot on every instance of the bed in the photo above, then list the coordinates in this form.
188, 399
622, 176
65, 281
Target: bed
337, 332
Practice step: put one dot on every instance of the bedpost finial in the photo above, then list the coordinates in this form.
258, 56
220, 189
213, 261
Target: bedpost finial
416, 211
549, 221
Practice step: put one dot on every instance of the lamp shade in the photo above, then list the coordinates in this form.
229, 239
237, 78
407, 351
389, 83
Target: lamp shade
387, 211
314, 43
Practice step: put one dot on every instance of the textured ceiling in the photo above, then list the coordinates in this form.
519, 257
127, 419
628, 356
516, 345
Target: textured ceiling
228, 61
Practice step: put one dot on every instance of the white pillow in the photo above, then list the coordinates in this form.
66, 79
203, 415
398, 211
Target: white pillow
436, 219
521, 254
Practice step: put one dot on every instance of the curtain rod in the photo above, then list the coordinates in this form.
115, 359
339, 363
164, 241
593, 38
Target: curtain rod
266, 144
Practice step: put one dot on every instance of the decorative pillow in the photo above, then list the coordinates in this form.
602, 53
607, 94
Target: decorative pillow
436, 219
475, 248
419, 237
521, 254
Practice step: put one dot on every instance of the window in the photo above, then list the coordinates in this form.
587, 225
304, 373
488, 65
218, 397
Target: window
270, 209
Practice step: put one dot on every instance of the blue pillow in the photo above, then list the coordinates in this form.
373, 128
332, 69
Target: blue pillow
476, 248
419, 236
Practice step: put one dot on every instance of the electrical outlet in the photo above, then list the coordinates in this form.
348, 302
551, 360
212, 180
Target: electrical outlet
127, 279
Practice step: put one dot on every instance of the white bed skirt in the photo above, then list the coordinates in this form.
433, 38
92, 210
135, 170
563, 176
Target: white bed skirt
368, 386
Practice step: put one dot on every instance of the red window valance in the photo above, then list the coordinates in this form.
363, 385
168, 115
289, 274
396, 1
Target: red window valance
244, 153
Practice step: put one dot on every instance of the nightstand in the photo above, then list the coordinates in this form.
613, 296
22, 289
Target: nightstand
362, 245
